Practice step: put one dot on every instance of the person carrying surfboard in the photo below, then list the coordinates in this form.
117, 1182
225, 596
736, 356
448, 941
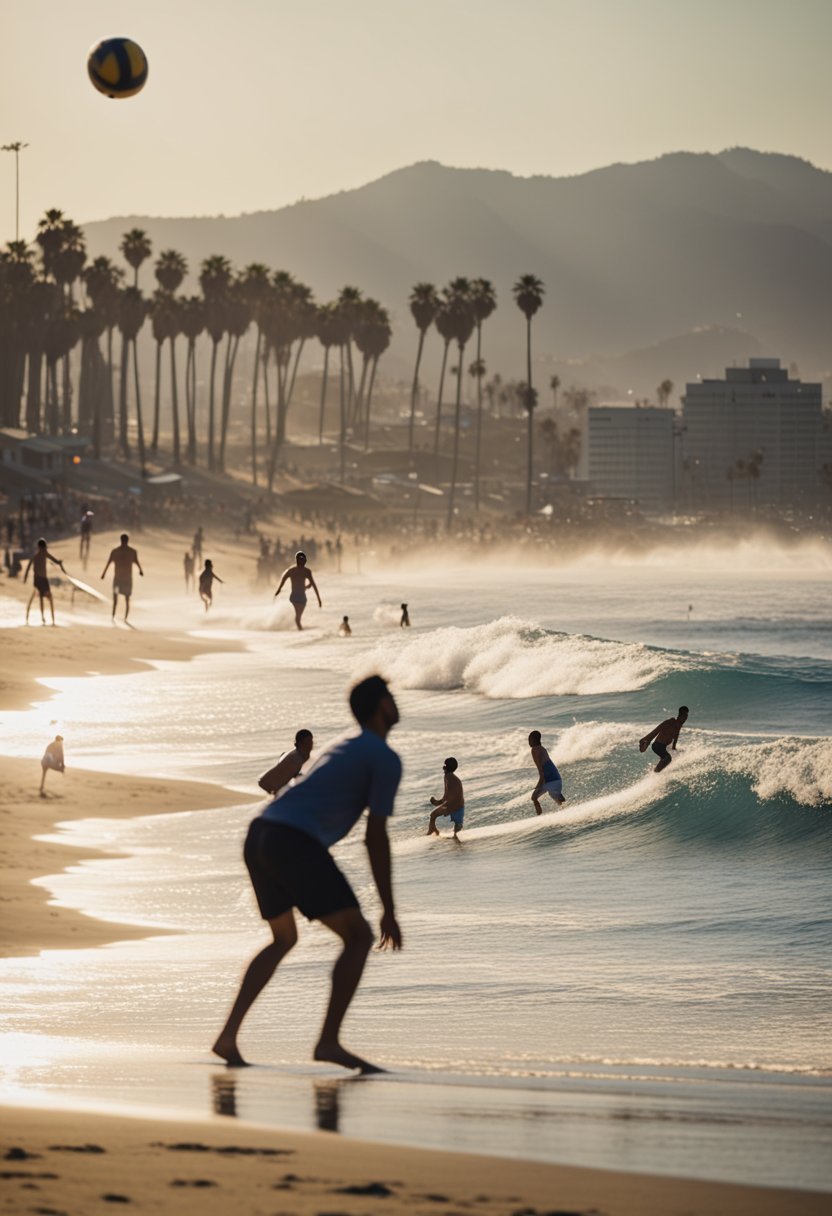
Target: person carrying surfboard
666, 733
37, 562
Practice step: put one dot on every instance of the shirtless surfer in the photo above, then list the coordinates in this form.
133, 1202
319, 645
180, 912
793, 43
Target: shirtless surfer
37, 562
123, 559
550, 781
206, 583
452, 802
300, 577
289, 765
665, 733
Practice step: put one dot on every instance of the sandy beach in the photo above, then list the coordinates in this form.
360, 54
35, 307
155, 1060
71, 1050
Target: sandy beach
73, 1162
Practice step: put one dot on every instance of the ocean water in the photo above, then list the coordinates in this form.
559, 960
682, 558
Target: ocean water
638, 980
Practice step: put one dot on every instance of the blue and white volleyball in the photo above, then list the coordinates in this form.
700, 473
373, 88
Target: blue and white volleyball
117, 67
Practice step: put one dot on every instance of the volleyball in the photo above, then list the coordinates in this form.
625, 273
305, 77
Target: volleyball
117, 67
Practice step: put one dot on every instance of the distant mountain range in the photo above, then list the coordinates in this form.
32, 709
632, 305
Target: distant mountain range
720, 256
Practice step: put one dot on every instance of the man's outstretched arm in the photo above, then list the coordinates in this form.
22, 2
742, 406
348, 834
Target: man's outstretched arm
378, 848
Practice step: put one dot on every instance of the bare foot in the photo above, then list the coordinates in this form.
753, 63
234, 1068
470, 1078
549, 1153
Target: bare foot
334, 1053
229, 1053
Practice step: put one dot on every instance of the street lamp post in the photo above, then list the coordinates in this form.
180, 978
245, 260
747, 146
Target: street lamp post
16, 148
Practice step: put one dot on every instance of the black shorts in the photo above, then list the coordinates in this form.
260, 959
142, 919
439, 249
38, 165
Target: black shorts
661, 751
42, 585
290, 869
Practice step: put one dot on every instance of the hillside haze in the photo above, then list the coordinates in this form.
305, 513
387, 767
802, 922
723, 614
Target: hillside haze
737, 243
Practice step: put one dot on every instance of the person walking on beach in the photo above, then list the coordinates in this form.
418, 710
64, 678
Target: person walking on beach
37, 563
188, 567
344, 629
206, 581
404, 623
288, 859
52, 758
666, 733
300, 576
550, 781
123, 559
86, 536
452, 802
289, 765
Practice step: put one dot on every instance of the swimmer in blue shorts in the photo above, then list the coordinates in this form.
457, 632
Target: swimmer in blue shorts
300, 577
452, 802
550, 781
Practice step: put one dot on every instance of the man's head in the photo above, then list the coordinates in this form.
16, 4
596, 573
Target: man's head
59, 738
303, 743
373, 706
41, 543
534, 739
450, 765
300, 558
683, 713
124, 538
208, 564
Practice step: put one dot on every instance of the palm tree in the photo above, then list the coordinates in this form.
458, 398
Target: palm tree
255, 287
131, 317
67, 266
102, 280
484, 300
160, 321
554, 385
372, 337
192, 319
424, 303
327, 333
349, 299
462, 319
214, 279
136, 248
663, 392
237, 320
305, 325
443, 322
17, 275
528, 296
171, 268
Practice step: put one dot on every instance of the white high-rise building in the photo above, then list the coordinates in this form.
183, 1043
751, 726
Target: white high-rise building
755, 438
629, 453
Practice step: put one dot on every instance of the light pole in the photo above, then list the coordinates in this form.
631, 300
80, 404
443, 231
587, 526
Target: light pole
16, 147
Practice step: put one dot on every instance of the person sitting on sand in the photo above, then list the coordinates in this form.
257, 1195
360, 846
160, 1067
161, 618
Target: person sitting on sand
123, 559
300, 576
37, 562
550, 781
404, 623
344, 630
206, 582
288, 860
452, 802
289, 765
52, 758
665, 733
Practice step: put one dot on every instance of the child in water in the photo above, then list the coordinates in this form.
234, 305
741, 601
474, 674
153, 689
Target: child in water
344, 628
206, 581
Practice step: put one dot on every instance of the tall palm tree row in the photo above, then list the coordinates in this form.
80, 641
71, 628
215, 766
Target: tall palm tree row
424, 304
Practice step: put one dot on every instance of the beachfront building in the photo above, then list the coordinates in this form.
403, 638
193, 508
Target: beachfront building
629, 454
756, 438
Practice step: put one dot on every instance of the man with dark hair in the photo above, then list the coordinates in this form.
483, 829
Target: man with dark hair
123, 559
452, 802
289, 765
290, 866
300, 576
549, 779
665, 733
40, 578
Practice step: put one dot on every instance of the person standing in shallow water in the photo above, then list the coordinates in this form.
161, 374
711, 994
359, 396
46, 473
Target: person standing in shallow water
452, 802
123, 559
550, 781
300, 577
290, 866
206, 583
404, 623
40, 578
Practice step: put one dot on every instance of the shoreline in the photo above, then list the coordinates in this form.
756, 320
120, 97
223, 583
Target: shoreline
82, 1160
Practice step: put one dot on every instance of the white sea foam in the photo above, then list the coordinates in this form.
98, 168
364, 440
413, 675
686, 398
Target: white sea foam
800, 768
511, 658
388, 614
273, 618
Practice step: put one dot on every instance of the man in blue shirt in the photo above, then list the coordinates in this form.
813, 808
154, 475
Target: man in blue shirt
290, 866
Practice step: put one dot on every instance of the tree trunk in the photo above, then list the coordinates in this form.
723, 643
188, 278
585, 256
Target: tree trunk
123, 441
298, 354
154, 443
479, 420
66, 422
174, 405
108, 419
370, 400
211, 405
530, 408
359, 400
343, 437
439, 399
254, 409
266, 401
324, 379
457, 417
139, 418
414, 391
228, 380
33, 397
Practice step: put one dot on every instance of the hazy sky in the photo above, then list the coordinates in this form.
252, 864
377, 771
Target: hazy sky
252, 104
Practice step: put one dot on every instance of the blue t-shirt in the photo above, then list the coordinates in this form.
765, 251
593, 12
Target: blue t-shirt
356, 772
